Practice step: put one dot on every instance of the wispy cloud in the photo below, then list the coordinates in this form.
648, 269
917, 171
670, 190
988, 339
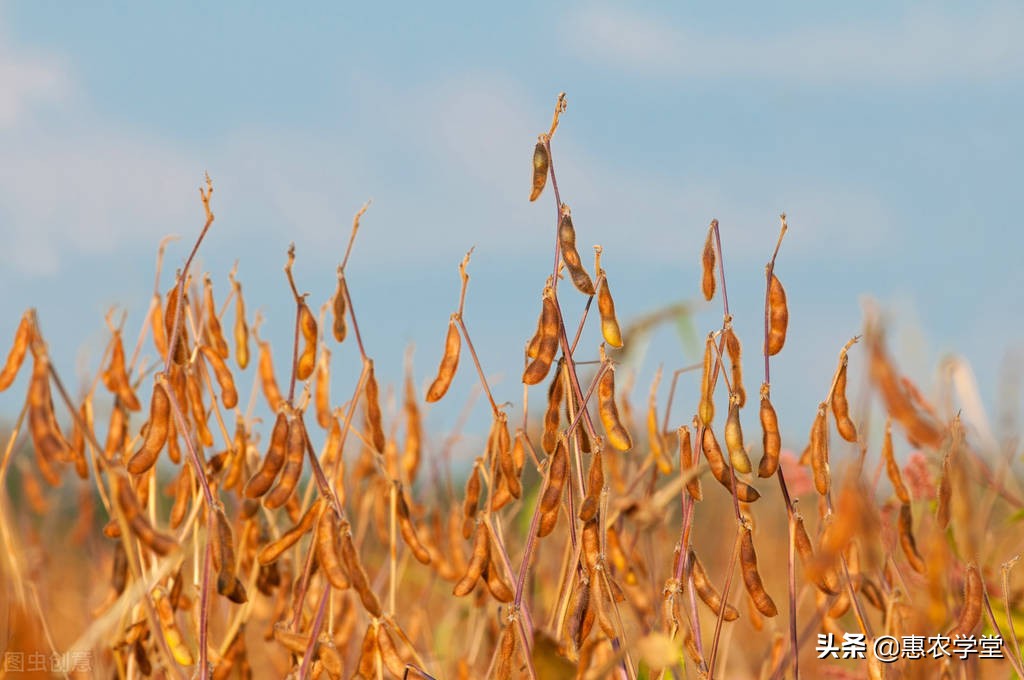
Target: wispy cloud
924, 45
25, 81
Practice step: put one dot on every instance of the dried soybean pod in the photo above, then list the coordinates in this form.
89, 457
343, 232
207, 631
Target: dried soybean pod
706, 407
506, 652
449, 362
268, 382
751, 578
735, 351
707, 261
78, 438
610, 330
533, 346
595, 483
408, 529
906, 534
357, 573
770, 437
707, 591
547, 345
221, 372
500, 588
388, 651
550, 500
716, 461
412, 451
16, 357
214, 334
506, 462
160, 543
841, 407
339, 307
369, 655
481, 556
373, 413
567, 242
734, 437
156, 434
552, 417
819, 452
970, 615
119, 568
615, 431
271, 551
199, 415
686, 462
182, 493
307, 357
540, 167
469, 505
891, 467
241, 327
295, 453
322, 390
172, 319
778, 316
115, 377
172, 636
654, 431
47, 439
824, 578
328, 549
260, 482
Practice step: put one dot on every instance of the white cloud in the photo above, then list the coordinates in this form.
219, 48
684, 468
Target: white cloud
26, 81
923, 45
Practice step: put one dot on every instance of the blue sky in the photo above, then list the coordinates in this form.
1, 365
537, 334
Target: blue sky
889, 132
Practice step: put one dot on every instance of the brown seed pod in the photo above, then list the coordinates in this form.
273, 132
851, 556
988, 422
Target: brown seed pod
223, 556
272, 551
905, 527
610, 330
771, 440
241, 330
260, 482
892, 469
552, 417
567, 243
469, 505
823, 577
339, 307
735, 352
686, 462
551, 499
615, 431
195, 401
156, 434
496, 583
15, 358
295, 453
707, 261
506, 652
720, 469
449, 362
322, 389
119, 568
547, 345
970, 615
502, 451
706, 407
654, 438
481, 556
47, 440
221, 372
388, 651
307, 356
582, 619
412, 451
408, 529
172, 635
214, 334
78, 439
819, 452
328, 548
595, 484
778, 316
540, 167
172, 318
160, 543
182, 493
841, 407
115, 376
357, 573
267, 380
751, 578
373, 412
734, 437
707, 591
